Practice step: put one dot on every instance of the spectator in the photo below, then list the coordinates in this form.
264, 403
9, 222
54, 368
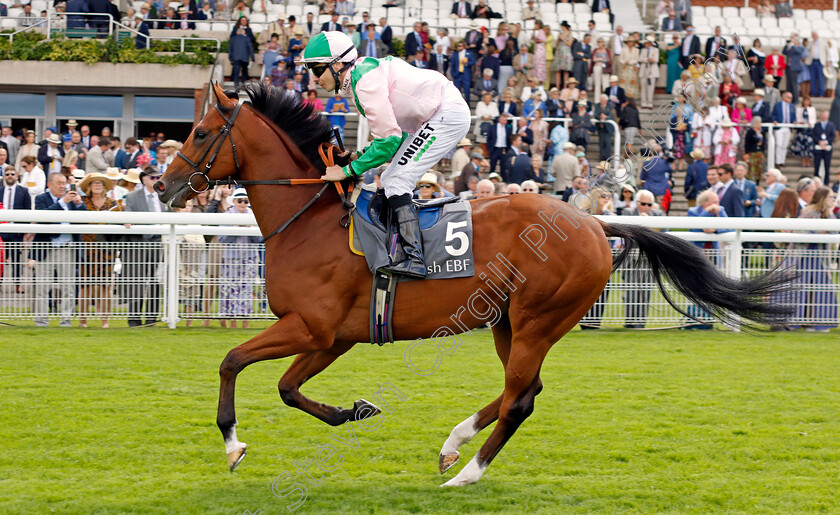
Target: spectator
524, 132
795, 55
754, 148
776, 66
756, 59
817, 298
240, 266
270, 58
141, 259
461, 69
709, 207
313, 100
96, 269
637, 277
240, 11
464, 185
332, 25
670, 23
499, 139
29, 148
533, 104
803, 143
461, 157
461, 9
206, 13
487, 84
50, 155
830, 68
337, 104
371, 46
54, 255
530, 12
562, 63
524, 168
418, 61
386, 34
747, 187
33, 177
624, 199
439, 61
539, 131
241, 51
96, 162
603, 112
309, 28
655, 174
484, 189
13, 196
726, 141
823, 135
582, 58
689, 47
184, 17
816, 54
532, 87
601, 66
695, 177
580, 126
805, 189
559, 136
295, 44
482, 10
564, 168
523, 64
530, 187
345, 8
731, 198
768, 195
628, 61
427, 187
486, 112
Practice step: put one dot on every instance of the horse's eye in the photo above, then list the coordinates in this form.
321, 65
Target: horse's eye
200, 134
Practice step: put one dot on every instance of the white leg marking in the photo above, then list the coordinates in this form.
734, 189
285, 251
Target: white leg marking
468, 475
231, 443
461, 434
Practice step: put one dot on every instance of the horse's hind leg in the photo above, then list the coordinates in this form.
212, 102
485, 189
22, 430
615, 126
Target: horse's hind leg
288, 336
307, 366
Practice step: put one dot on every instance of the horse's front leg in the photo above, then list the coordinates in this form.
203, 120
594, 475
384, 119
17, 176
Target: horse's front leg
307, 366
286, 337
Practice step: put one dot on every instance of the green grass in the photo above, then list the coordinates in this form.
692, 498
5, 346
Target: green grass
123, 421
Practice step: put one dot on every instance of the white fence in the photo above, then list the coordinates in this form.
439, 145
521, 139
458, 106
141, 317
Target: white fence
172, 266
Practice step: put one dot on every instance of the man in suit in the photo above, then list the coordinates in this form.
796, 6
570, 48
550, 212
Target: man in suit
747, 187
418, 61
461, 69
604, 110
760, 107
648, 70
12, 143
50, 154
470, 170
783, 112
486, 84
141, 260
439, 61
716, 46
690, 47
55, 254
499, 138
616, 95
332, 25
772, 95
372, 47
823, 134
731, 197
386, 34
461, 10
696, 177
413, 41
474, 39
671, 23
816, 55
96, 161
14, 196
582, 56
794, 54
683, 10
132, 147
602, 6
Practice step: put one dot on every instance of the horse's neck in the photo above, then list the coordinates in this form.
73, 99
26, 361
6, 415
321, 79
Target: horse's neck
273, 206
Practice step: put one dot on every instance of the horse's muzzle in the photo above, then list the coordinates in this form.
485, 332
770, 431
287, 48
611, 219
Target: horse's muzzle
160, 187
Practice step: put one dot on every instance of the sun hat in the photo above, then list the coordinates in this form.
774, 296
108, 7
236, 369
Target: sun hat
72, 123
581, 103
568, 146
84, 184
741, 100
769, 78
759, 92
239, 193
726, 123
113, 173
613, 78
54, 139
429, 178
572, 80
79, 173
132, 175
494, 175
580, 154
171, 143
151, 171
697, 154
465, 143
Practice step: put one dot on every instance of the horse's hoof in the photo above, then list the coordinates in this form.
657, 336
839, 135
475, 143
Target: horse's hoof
447, 460
234, 457
370, 409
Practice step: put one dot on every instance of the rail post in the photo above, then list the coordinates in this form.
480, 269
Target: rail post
171, 313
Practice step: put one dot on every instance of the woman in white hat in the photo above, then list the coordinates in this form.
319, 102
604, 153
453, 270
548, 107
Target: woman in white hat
240, 265
428, 187
624, 199
726, 141
96, 269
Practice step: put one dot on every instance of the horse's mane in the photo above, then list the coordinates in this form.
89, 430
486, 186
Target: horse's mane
288, 112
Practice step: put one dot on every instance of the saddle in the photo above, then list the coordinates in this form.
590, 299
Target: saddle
372, 206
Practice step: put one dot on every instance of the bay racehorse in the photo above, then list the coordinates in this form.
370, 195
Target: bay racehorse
541, 263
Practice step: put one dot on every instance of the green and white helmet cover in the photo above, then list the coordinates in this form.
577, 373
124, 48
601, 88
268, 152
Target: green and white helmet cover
330, 47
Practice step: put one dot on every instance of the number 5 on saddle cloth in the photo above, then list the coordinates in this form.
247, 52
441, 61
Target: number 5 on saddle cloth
446, 226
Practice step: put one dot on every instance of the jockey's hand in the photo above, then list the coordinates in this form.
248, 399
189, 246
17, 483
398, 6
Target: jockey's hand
353, 155
334, 173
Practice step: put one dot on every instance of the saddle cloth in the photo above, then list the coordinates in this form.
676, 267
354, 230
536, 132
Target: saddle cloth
446, 225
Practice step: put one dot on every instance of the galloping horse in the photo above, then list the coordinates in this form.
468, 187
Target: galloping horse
544, 262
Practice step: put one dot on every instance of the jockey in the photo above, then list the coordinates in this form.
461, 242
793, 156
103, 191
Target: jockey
416, 117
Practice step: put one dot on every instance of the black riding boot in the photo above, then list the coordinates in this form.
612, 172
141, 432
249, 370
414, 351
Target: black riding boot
412, 243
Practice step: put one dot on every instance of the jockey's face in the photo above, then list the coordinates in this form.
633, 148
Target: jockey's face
326, 80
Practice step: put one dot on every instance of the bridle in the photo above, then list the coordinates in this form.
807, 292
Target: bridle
219, 139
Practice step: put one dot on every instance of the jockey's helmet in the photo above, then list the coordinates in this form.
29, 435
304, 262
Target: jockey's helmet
328, 48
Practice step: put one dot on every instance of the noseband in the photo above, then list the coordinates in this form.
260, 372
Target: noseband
218, 140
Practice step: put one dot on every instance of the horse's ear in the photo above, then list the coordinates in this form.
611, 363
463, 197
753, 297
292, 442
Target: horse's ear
221, 98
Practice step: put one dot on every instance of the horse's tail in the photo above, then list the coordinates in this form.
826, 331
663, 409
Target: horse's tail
693, 275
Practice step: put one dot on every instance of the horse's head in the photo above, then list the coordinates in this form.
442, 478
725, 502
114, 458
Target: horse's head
207, 155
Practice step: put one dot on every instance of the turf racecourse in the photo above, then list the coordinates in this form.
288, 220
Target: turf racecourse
123, 421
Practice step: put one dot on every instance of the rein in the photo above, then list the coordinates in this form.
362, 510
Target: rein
324, 150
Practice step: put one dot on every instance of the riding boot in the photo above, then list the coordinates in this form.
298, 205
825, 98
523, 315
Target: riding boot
412, 244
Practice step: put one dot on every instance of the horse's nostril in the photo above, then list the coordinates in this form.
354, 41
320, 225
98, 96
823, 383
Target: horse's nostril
159, 187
